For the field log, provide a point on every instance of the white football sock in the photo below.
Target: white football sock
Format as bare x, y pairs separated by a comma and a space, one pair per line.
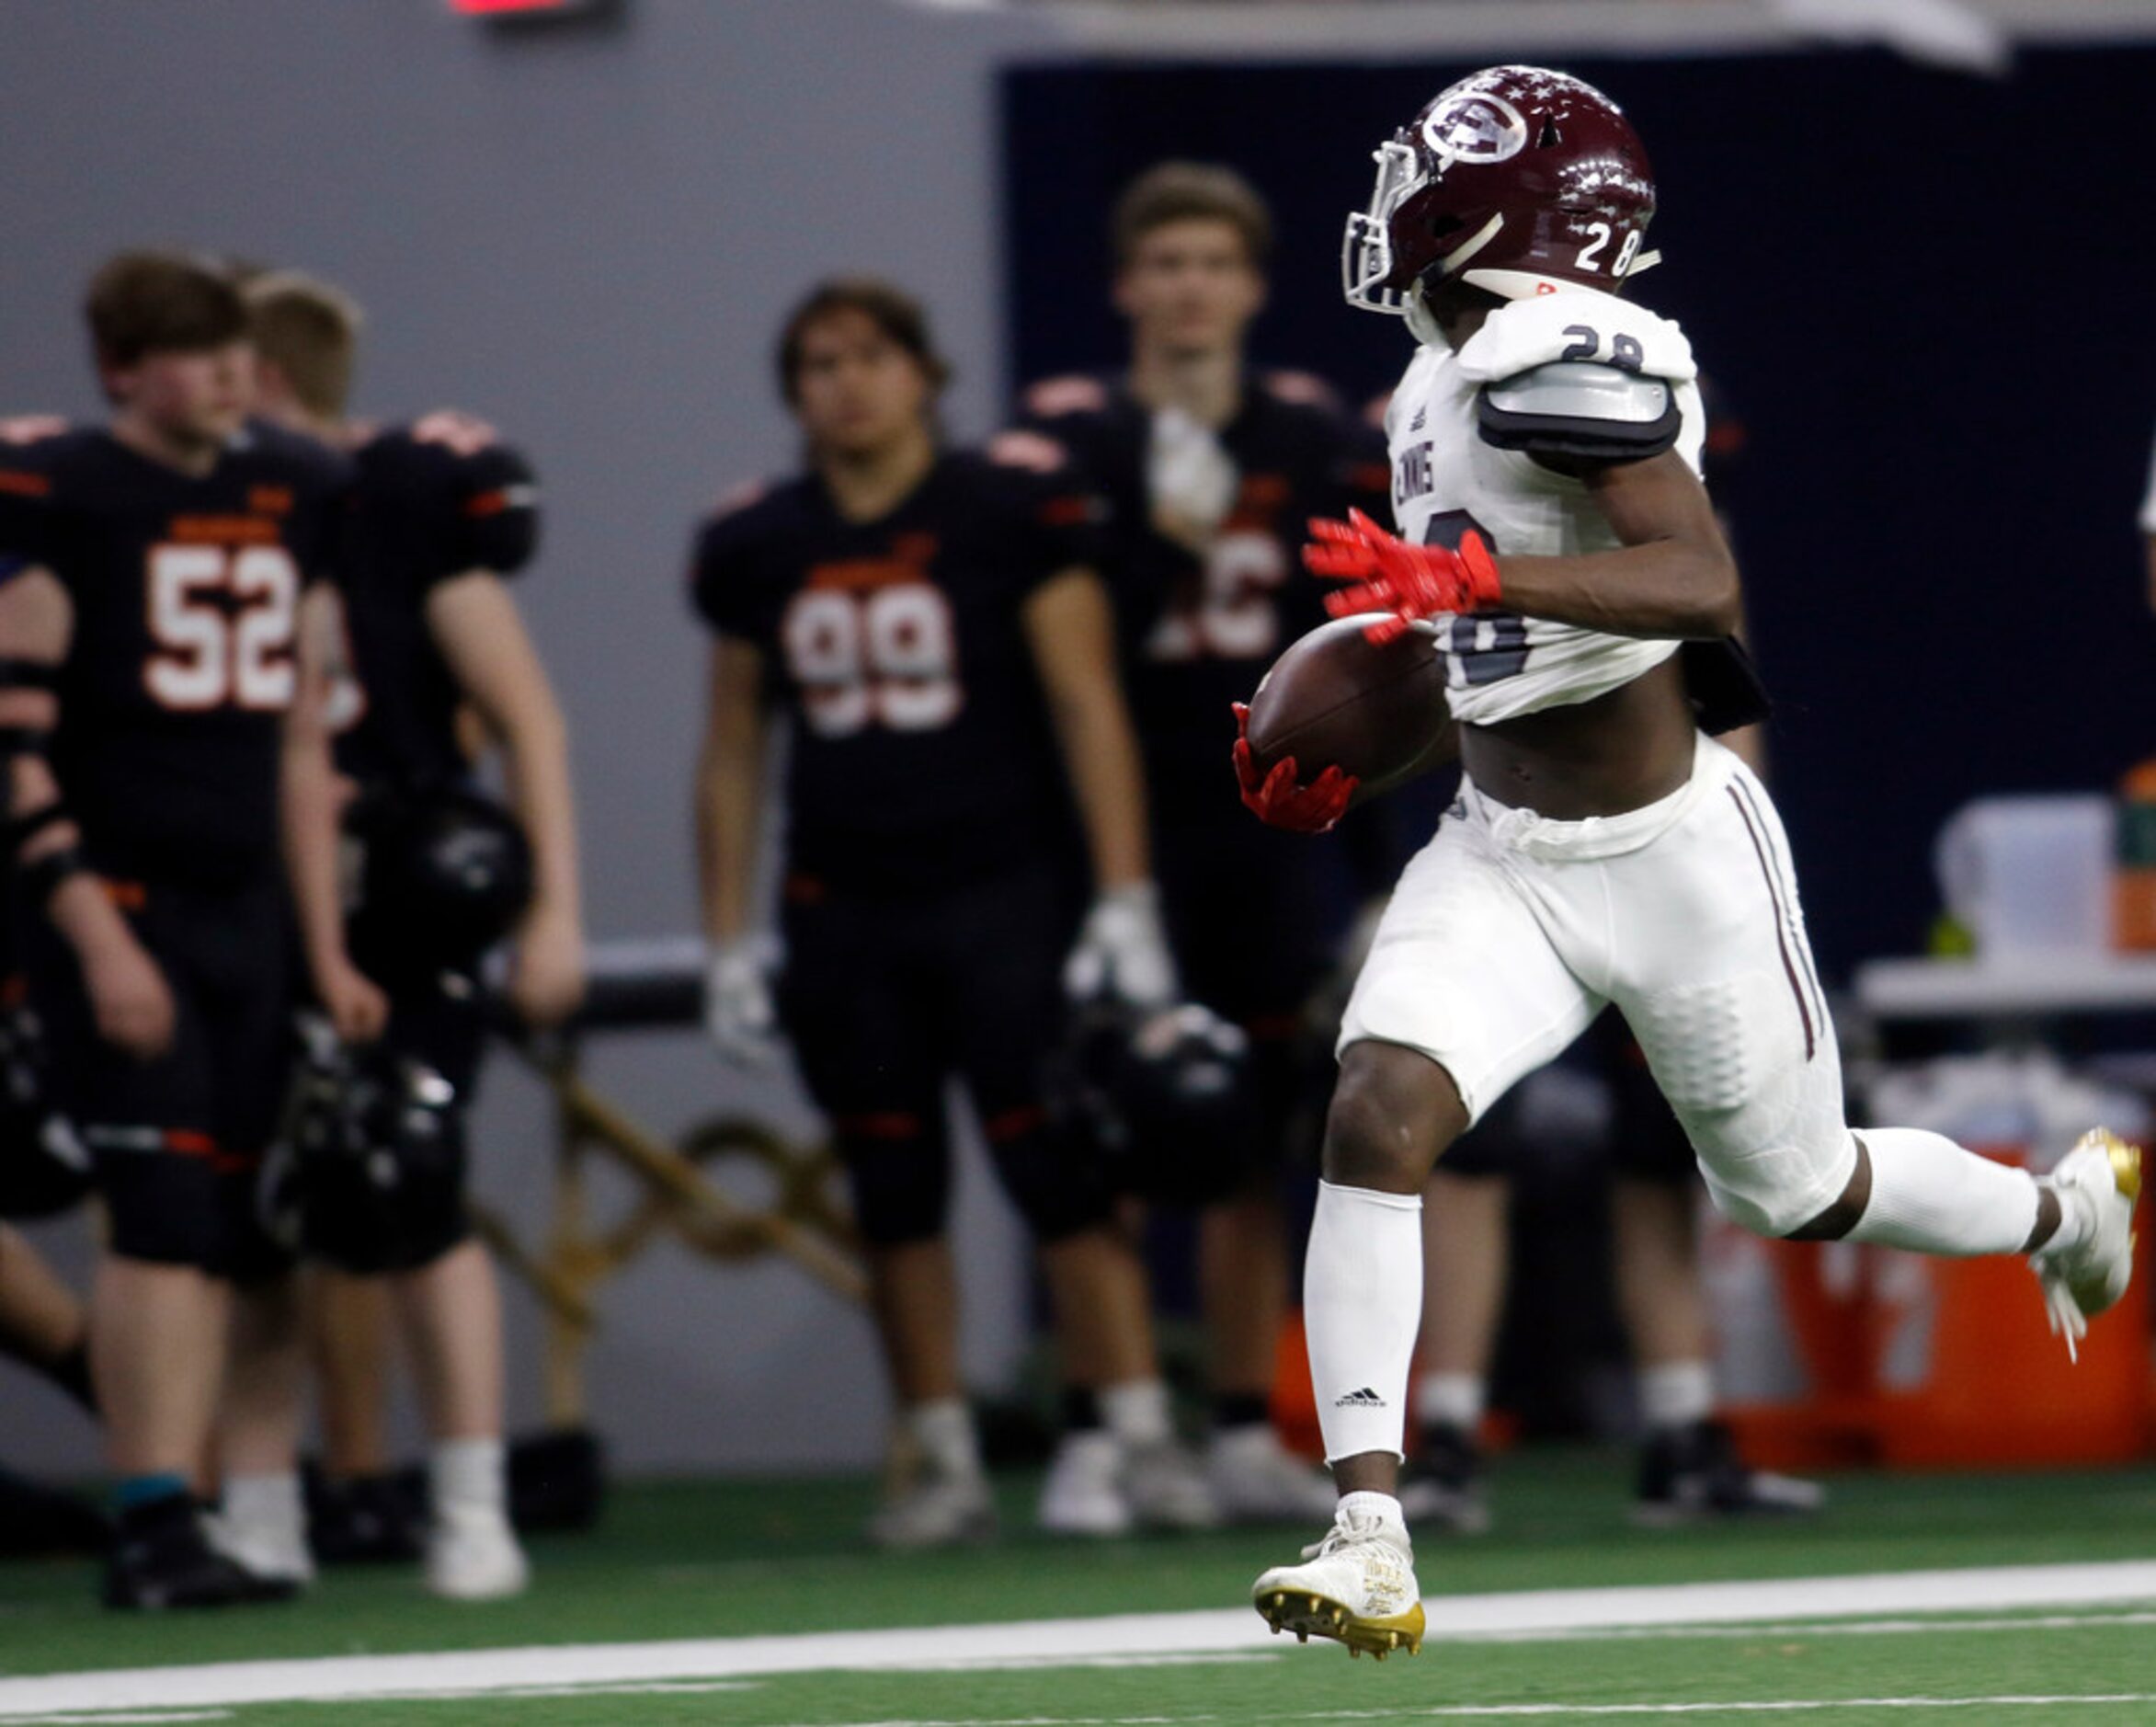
1930, 1196
1676, 1393
467, 1474
1361, 1303
1451, 1400
263, 1525
944, 1428
1383, 1508
1135, 1411
265, 1506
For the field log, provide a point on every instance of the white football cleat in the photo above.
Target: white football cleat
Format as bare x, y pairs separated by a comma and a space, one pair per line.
473, 1555
2098, 1183
1357, 1586
936, 1511
1255, 1478
1165, 1489
1083, 1493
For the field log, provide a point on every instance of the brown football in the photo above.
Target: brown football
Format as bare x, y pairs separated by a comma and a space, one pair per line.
1335, 699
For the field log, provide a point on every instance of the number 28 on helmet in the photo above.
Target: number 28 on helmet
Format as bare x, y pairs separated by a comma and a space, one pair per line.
1517, 180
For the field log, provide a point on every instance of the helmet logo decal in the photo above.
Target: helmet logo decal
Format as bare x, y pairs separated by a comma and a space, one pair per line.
1476, 128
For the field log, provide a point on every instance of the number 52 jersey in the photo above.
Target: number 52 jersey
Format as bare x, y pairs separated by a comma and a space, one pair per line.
921, 750
185, 593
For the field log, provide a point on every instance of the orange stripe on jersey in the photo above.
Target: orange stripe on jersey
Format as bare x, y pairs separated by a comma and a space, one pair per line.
487, 504
25, 485
1008, 1124
863, 572
271, 500
222, 531
885, 1124
188, 1143
1066, 512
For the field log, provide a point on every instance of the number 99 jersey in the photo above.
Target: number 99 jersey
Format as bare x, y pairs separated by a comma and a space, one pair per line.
1580, 374
184, 592
921, 747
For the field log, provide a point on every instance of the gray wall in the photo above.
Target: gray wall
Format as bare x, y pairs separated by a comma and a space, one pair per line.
588, 238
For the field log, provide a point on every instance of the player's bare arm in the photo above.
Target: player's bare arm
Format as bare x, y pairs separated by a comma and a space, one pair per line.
739, 1012
128, 993
311, 800
1071, 632
1121, 950
730, 788
1672, 577
476, 626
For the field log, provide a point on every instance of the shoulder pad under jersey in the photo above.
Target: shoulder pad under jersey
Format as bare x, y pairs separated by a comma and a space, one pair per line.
1525, 334
1053, 398
476, 495
1303, 389
1580, 409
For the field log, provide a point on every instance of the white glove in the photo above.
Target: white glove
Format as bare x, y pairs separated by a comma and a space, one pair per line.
738, 1010
1123, 951
1190, 476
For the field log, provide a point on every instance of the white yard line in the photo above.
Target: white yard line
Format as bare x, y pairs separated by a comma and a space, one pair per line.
1817, 1628
1554, 1712
160, 1718
473, 1672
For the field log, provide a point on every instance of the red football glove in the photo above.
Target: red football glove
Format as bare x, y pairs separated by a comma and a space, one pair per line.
1412, 582
1275, 798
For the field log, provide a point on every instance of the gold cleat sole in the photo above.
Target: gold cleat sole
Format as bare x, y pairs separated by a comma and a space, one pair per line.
2126, 1177
2126, 1165
2125, 1171
1309, 1615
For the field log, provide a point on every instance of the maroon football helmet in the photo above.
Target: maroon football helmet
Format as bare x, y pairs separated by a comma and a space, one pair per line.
1517, 180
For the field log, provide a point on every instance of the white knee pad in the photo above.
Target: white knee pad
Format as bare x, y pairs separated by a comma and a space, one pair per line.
1773, 1209
1779, 1189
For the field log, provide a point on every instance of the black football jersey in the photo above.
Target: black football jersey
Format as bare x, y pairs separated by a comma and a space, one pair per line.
1198, 633
431, 501
185, 593
921, 747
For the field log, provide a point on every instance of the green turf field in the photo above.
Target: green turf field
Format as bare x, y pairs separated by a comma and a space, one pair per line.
760, 1561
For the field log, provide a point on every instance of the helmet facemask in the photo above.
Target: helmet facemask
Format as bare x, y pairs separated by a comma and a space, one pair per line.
1366, 261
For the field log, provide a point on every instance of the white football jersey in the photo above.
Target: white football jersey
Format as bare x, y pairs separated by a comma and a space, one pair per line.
1446, 479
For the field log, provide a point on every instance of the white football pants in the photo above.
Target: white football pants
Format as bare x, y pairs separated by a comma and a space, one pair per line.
1507, 935
1509, 932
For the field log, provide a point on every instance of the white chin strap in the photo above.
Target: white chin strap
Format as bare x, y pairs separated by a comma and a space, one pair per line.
1422, 321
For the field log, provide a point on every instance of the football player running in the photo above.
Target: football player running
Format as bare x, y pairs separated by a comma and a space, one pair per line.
1690, 1466
927, 622
167, 772
1211, 466
1560, 554
428, 637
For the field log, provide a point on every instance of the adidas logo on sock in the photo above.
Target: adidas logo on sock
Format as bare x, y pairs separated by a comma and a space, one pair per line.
1365, 1398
